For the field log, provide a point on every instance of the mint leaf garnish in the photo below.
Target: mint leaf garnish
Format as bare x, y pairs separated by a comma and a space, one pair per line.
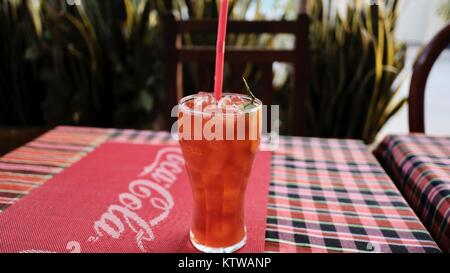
251, 104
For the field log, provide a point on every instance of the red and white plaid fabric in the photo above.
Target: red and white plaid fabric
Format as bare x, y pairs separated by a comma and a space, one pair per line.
325, 195
420, 165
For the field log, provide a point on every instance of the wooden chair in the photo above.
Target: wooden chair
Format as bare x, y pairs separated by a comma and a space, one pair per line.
176, 54
421, 71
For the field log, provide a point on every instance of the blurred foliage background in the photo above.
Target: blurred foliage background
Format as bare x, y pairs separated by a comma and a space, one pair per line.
356, 63
95, 64
21, 86
100, 63
106, 63
444, 10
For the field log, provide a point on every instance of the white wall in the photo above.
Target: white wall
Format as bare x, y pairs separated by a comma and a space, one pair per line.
437, 99
418, 19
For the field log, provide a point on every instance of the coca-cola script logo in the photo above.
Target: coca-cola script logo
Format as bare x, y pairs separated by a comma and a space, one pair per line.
151, 187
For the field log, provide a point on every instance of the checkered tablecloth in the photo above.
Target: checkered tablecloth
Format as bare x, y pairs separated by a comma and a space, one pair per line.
325, 195
420, 165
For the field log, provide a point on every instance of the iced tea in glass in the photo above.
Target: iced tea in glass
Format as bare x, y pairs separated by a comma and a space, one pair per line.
219, 141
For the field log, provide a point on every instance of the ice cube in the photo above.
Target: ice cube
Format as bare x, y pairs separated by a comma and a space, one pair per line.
231, 101
203, 99
230, 109
236, 100
211, 108
224, 102
232, 104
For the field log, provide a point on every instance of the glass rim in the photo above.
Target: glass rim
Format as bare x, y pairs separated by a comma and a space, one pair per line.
186, 99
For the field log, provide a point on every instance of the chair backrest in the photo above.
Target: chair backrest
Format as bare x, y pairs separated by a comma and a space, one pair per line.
177, 54
419, 79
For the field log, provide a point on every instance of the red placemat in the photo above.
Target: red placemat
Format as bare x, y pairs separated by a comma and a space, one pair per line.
121, 198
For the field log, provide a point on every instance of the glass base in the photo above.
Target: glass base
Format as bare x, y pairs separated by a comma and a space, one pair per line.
206, 249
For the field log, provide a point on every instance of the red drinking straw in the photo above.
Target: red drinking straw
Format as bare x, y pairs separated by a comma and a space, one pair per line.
220, 53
